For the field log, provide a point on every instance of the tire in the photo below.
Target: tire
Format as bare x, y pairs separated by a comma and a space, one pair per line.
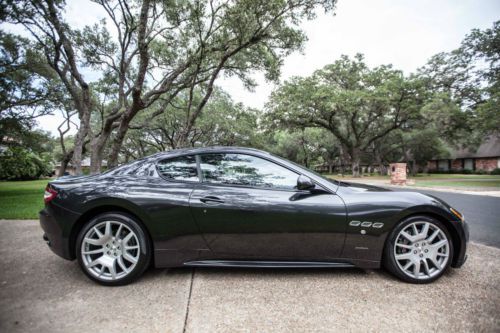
112, 249
422, 255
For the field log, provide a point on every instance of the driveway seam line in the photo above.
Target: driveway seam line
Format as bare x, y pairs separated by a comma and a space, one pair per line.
188, 301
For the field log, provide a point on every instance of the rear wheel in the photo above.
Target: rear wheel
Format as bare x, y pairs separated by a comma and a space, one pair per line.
112, 249
419, 250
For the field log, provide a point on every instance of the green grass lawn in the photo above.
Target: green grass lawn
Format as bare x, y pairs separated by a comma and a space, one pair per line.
21, 199
439, 180
458, 182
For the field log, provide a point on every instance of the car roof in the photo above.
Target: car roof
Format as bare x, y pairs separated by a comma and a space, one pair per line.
211, 149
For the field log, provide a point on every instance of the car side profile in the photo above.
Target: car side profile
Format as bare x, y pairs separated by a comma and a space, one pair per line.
242, 207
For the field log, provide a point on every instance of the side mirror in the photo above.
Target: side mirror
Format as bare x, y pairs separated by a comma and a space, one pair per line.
305, 183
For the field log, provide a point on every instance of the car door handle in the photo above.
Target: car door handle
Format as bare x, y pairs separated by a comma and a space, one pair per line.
211, 200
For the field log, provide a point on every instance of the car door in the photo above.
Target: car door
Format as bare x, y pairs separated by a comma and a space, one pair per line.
248, 207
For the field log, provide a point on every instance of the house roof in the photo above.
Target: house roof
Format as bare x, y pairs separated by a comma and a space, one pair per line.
489, 148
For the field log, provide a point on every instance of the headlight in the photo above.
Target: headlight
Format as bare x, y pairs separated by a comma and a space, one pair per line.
457, 214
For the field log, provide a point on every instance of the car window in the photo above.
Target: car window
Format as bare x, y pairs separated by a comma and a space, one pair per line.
240, 169
179, 168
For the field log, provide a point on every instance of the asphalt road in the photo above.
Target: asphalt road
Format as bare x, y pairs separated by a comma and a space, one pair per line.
40, 292
482, 213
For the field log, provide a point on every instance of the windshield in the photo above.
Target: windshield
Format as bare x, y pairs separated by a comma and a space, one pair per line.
331, 180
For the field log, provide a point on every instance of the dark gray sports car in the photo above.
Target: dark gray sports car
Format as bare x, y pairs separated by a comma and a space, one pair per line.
227, 206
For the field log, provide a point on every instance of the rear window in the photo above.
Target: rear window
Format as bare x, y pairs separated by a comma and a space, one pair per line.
179, 168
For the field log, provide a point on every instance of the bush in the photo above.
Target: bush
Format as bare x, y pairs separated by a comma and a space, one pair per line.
17, 163
495, 171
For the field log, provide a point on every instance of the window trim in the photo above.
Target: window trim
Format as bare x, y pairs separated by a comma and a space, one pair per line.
248, 186
179, 180
200, 174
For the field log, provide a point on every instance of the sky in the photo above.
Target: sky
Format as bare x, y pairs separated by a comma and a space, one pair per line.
405, 33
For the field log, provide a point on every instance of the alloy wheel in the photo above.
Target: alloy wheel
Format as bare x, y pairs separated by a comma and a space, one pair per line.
110, 250
422, 250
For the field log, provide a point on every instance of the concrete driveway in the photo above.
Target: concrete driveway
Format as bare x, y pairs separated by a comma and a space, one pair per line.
40, 292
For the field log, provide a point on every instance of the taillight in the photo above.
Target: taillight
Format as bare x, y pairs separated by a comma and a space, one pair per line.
49, 194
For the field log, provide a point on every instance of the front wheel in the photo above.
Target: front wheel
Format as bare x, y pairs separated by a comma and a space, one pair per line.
112, 249
419, 250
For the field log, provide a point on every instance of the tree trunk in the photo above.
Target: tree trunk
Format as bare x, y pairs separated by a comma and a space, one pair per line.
83, 131
380, 163
355, 161
64, 164
117, 144
413, 168
96, 157
98, 144
182, 141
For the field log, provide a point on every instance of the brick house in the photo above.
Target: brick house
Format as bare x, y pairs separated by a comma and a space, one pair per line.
485, 158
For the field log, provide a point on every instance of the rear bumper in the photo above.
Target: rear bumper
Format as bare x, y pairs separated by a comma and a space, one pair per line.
55, 235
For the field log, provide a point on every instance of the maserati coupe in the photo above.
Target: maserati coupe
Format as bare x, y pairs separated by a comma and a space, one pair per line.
242, 207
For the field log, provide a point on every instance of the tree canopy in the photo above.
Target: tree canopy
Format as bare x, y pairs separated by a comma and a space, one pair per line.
144, 79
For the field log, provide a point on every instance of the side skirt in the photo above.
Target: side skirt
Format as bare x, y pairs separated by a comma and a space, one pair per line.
267, 264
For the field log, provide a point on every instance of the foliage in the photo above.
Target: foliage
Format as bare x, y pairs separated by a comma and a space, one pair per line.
26, 80
155, 51
17, 163
308, 146
224, 123
470, 76
358, 105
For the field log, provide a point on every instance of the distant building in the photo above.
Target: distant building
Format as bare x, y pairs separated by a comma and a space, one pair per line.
485, 158
70, 169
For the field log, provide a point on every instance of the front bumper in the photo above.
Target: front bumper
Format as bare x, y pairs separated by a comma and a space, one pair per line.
463, 234
55, 235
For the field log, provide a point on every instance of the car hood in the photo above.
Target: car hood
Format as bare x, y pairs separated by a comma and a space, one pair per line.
352, 192
357, 187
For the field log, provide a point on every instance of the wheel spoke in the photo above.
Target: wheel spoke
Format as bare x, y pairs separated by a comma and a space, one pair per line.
407, 236
434, 235
117, 235
435, 263
425, 230
112, 269
93, 263
440, 243
416, 269
107, 231
122, 264
404, 256
404, 246
415, 231
128, 237
129, 258
408, 265
98, 233
97, 242
101, 250
426, 267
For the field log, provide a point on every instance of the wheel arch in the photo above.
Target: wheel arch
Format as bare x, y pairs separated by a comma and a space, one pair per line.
97, 209
455, 238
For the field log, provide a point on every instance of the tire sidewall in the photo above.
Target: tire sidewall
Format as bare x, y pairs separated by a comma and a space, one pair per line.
144, 245
390, 262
